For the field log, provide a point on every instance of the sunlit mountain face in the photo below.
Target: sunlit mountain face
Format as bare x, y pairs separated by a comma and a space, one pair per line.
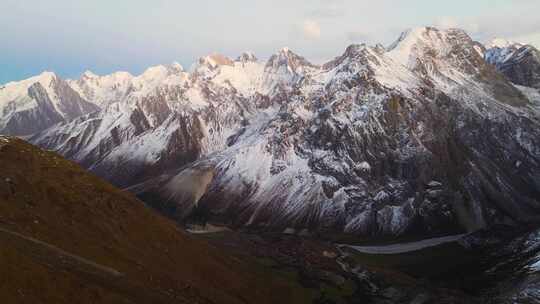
431, 135
406, 171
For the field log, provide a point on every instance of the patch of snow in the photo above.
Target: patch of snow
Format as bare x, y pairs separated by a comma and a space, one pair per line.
479, 50
14, 95
246, 77
501, 43
532, 94
381, 196
364, 166
435, 184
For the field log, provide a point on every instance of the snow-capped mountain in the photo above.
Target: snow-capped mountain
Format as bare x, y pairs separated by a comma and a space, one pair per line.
39, 102
423, 136
121, 86
520, 63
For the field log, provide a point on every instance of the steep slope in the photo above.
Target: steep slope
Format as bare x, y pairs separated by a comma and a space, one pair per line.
423, 137
39, 102
376, 143
499, 50
517, 271
119, 86
449, 60
170, 119
69, 237
519, 63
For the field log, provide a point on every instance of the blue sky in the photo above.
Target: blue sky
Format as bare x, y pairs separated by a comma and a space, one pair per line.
71, 36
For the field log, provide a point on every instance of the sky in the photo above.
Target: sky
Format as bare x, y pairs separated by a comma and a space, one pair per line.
71, 36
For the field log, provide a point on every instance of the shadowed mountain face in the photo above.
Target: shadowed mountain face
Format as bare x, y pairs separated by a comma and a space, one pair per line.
69, 237
519, 63
428, 136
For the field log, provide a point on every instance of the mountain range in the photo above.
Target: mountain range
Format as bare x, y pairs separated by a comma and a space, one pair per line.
434, 134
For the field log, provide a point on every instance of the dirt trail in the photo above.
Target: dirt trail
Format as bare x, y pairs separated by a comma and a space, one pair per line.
109, 278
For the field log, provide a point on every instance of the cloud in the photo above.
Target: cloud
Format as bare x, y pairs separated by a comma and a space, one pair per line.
311, 29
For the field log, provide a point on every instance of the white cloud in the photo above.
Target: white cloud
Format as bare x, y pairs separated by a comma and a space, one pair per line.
311, 29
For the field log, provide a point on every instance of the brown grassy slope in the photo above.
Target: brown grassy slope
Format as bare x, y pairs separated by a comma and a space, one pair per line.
53, 200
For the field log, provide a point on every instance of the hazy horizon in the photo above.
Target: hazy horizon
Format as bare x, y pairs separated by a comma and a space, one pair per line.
70, 38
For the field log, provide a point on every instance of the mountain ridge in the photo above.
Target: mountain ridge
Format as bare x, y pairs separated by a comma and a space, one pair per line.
376, 141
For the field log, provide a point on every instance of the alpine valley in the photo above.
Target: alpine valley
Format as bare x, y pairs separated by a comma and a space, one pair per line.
434, 135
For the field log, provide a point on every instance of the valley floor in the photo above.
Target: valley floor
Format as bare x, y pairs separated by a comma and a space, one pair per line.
438, 270
328, 273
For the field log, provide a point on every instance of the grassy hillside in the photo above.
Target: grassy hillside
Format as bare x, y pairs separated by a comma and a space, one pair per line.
69, 237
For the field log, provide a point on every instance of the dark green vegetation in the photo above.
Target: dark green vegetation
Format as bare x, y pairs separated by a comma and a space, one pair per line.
309, 266
325, 273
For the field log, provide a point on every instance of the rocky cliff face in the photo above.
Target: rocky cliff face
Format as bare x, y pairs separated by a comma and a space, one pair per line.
422, 137
39, 102
166, 119
519, 63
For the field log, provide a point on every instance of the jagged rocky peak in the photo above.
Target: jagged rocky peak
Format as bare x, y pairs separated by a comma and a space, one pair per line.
450, 59
353, 52
36, 103
89, 75
287, 58
502, 43
519, 63
214, 60
499, 50
209, 65
163, 70
422, 42
102, 89
380, 48
89, 78
176, 67
247, 57
353, 49
18, 90
117, 76
47, 76
412, 36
